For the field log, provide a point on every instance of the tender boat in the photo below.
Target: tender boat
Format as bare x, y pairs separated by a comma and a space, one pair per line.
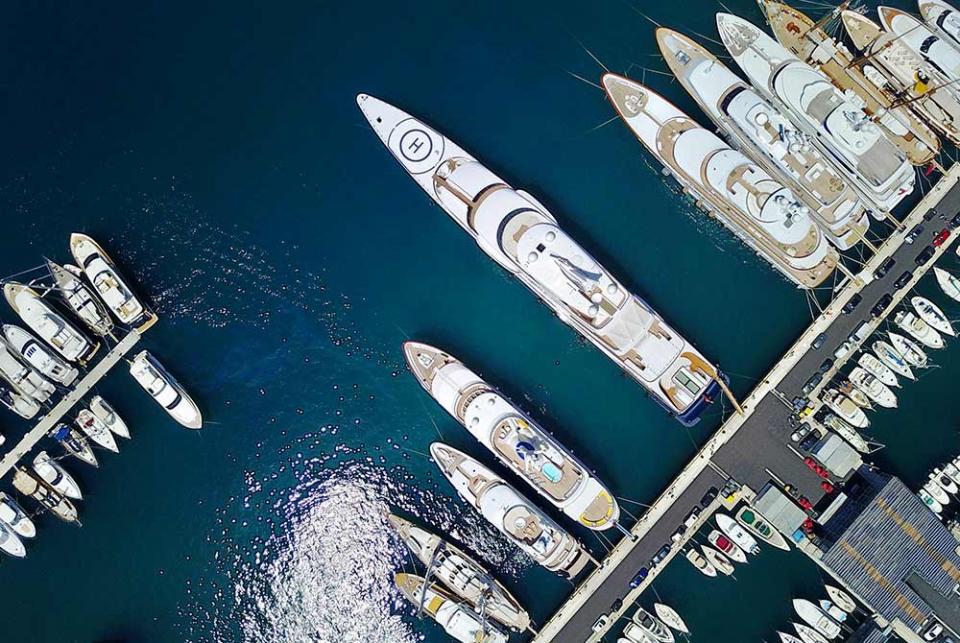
30, 484
762, 212
718, 560
463, 575
15, 517
873, 387
942, 18
652, 626
756, 525
79, 299
702, 565
918, 329
52, 327
858, 397
21, 404
922, 40
932, 503
737, 534
788, 638
727, 546
949, 284
94, 429
832, 610
522, 236
36, 355
845, 408
457, 619
768, 137
109, 417
112, 288
944, 481
670, 616
841, 598
10, 543
912, 353
513, 437
56, 476
931, 313
847, 432
937, 492
165, 390
893, 359
23, 377
815, 617
808, 634
521, 521
75, 444
835, 122
872, 364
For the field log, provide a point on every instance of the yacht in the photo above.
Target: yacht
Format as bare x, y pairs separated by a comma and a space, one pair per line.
788, 638
846, 432
165, 390
513, 437
808, 634
749, 202
832, 610
522, 236
949, 284
872, 364
768, 137
33, 352
15, 517
463, 575
931, 313
814, 46
952, 472
857, 396
892, 359
932, 503
847, 409
23, 377
74, 443
718, 560
918, 329
944, 481
942, 18
635, 634
96, 430
113, 290
737, 534
18, 402
79, 299
514, 516
671, 618
652, 626
909, 349
30, 484
755, 524
702, 565
10, 543
841, 598
835, 122
109, 417
457, 619
873, 388
940, 53
937, 492
56, 476
815, 617
727, 546
890, 62
52, 328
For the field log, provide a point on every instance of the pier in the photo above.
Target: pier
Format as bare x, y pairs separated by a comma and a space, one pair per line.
754, 448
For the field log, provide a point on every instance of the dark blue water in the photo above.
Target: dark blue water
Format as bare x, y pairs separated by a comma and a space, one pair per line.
217, 152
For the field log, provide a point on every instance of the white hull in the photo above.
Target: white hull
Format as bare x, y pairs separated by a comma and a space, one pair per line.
912, 353
737, 534
931, 313
10, 543
700, 563
48, 324
718, 560
79, 299
727, 546
873, 365
931, 503
23, 377
816, 619
670, 616
457, 619
56, 476
941, 17
918, 329
892, 359
152, 377
949, 284
846, 409
94, 429
842, 599
109, 417
34, 353
873, 388
15, 517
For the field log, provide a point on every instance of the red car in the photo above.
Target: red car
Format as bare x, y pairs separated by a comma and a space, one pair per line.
826, 486
806, 504
942, 236
811, 463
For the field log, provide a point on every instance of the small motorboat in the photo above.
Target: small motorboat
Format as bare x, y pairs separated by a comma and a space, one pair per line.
635, 634
50, 325
13, 515
30, 484
893, 359
79, 299
56, 476
816, 618
720, 562
113, 290
788, 638
737, 534
931, 313
832, 610
36, 355
841, 598
878, 369
165, 390
857, 396
94, 429
918, 329
10, 543
652, 626
951, 470
938, 492
808, 634
845, 408
105, 413
873, 387
727, 546
23, 377
909, 349
755, 524
23, 405
74, 443
670, 616
949, 284
944, 481
932, 503
847, 432
702, 564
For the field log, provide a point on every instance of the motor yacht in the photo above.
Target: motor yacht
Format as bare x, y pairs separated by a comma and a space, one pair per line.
718, 560
78, 298
15, 517
700, 563
873, 387
34, 353
847, 432
944, 481
727, 546
10, 543
56, 476
872, 364
808, 634
30, 484
931, 313
671, 618
858, 397
50, 325
759, 527
949, 284
650, 624
940, 53
816, 618
109, 417
932, 503
22, 376
17, 401
166, 391
937, 492
457, 619
892, 358
848, 411
918, 329
942, 18
737, 534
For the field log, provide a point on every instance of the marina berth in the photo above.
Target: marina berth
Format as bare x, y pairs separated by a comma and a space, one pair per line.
942, 18
814, 46
742, 195
513, 437
56, 476
456, 618
517, 232
940, 53
74, 443
17, 401
768, 137
891, 62
15, 517
23, 377
33, 352
521, 521
78, 298
30, 484
52, 328
166, 391
834, 121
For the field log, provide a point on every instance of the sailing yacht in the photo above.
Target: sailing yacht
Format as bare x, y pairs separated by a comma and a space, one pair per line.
30, 484
513, 437
940, 53
671, 618
36, 355
79, 299
49, 324
909, 349
74, 443
834, 121
520, 234
942, 18
892, 359
949, 284
104, 412
456, 618
96, 430
931, 313
768, 137
514, 516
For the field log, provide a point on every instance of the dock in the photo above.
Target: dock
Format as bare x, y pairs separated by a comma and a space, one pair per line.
754, 448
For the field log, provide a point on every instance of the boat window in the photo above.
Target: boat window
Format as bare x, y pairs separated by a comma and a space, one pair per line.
687, 382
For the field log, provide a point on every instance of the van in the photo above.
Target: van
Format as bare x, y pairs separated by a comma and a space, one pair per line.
861, 333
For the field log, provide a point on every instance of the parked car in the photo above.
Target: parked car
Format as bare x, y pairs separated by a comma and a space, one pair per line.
661, 555
818, 341
954, 222
913, 234
601, 623
881, 306
852, 304
885, 266
642, 574
861, 332
925, 255
903, 280
941, 237
826, 365
811, 384
616, 605
930, 214
709, 497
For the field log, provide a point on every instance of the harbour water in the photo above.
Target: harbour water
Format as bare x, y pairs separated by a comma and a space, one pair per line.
217, 152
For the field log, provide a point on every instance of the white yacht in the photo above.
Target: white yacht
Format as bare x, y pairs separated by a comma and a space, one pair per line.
949, 284
79, 299
931, 503
30, 484
841, 599
873, 387
808, 634
513, 437
52, 328
716, 558
937, 492
727, 546
74, 443
848, 410
757, 525
918, 329
891, 62
834, 121
165, 390
909, 349
872, 364
847, 432
940, 53
457, 619
15, 517
23, 377
931, 313
56, 476
944, 481
94, 429
892, 359
762, 212
513, 515
700, 563
109, 417
33, 352
788, 638
671, 618
943, 18
10, 543
766, 135
814, 46
816, 618
17, 401
521, 235
858, 397
737, 534
652, 626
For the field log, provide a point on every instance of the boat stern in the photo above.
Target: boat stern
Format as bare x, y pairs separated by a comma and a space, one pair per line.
601, 511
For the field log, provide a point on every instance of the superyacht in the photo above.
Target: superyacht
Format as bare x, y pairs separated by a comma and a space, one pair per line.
79, 299
943, 18
31, 351
456, 618
940, 53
